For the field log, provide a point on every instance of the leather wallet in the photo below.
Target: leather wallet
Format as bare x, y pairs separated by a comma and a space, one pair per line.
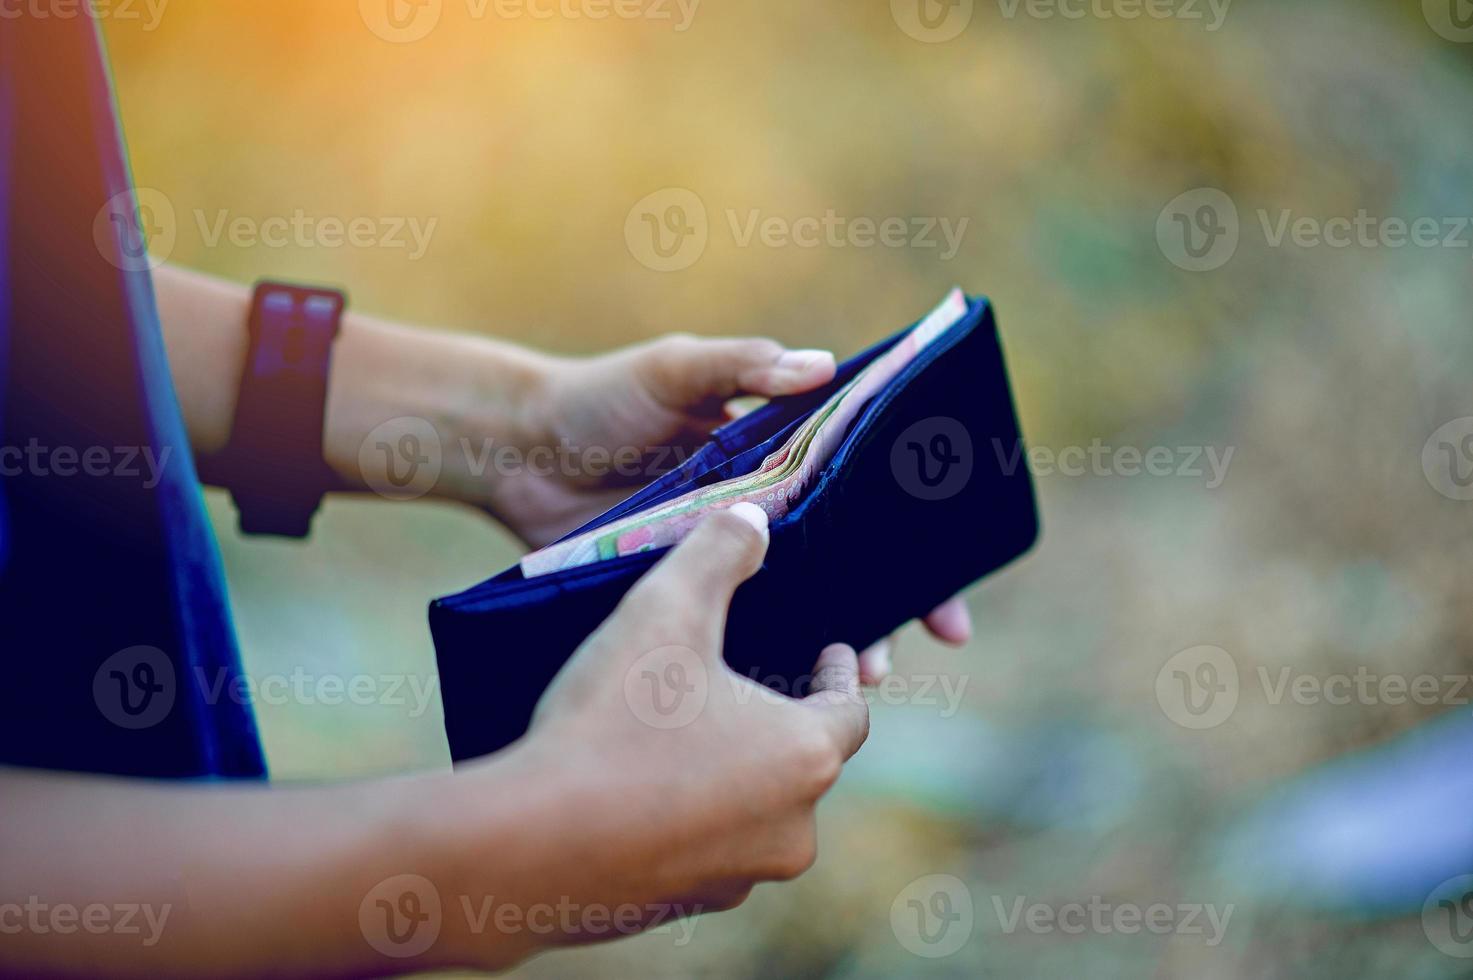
928, 492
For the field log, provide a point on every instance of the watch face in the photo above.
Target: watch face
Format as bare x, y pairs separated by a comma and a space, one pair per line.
293, 329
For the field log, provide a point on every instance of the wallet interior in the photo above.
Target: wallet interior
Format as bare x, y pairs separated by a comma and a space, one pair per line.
736, 450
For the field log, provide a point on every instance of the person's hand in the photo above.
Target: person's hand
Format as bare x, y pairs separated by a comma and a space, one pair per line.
592, 429
950, 622
682, 784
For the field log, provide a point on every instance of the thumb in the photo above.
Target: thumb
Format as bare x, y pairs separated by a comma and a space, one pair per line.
835, 696
681, 372
698, 579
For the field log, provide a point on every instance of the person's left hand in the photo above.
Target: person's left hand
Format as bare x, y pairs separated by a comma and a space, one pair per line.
598, 427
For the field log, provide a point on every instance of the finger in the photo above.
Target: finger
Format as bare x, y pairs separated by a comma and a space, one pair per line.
951, 622
875, 664
682, 372
702, 574
835, 694
794, 372
743, 405
720, 897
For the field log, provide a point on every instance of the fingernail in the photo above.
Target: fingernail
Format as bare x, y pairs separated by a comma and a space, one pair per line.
753, 515
883, 665
803, 361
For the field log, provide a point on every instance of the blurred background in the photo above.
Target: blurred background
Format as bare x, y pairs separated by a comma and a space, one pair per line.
1064, 757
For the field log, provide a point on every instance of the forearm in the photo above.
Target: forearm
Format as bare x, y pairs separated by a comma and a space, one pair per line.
380, 371
235, 880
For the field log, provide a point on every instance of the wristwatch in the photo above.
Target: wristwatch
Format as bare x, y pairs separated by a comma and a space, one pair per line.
274, 462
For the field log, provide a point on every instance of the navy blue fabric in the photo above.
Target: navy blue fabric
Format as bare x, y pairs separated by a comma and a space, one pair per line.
118, 650
7, 140
868, 550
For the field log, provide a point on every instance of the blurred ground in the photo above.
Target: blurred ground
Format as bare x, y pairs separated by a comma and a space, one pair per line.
1061, 778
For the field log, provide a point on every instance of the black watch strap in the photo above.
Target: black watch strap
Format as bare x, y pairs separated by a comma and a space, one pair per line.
274, 463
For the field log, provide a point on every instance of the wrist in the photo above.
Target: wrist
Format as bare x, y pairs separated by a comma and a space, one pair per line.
493, 835
462, 396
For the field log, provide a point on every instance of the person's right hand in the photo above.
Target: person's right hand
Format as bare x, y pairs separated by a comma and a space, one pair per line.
674, 779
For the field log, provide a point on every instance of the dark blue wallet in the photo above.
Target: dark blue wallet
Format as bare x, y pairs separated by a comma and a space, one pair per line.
929, 492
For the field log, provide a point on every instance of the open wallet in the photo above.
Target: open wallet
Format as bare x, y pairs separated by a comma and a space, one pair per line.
925, 491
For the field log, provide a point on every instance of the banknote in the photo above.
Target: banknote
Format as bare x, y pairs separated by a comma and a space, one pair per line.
777, 485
